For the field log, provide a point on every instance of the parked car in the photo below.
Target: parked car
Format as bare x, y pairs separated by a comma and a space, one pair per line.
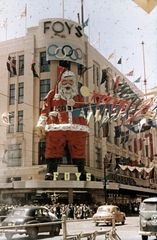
31, 215
105, 213
148, 218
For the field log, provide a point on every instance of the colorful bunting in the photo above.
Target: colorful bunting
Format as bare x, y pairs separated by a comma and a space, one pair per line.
110, 56
119, 61
116, 81
33, 70
107, 161
3, 24
85, 24
23, 14
96, 41
11, 65
137, 80
104, 76
130, 73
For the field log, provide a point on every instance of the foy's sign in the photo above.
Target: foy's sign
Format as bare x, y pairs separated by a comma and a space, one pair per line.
67, 176
63, 27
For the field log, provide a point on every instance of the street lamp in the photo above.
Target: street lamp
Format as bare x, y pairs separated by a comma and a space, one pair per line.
105, 189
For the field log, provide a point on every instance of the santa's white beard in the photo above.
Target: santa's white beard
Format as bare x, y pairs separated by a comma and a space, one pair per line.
67, 94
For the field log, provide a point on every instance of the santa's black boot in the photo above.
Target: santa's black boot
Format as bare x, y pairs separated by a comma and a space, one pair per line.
51, 168
80, 164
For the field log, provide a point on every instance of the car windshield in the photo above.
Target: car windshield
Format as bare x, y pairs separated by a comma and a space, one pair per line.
103, 209
148, 207
18, 213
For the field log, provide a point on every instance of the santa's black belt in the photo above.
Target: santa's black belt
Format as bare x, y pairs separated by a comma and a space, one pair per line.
63, 108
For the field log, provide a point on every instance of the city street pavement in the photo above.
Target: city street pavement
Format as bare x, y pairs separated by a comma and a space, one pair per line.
128, 231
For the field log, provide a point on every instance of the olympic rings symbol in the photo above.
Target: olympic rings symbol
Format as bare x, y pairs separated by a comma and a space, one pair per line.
65, 51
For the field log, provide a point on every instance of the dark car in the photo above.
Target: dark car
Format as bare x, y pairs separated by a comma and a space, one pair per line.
148, 218
31, 215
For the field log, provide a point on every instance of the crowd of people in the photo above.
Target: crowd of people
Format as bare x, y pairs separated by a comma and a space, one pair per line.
74, 211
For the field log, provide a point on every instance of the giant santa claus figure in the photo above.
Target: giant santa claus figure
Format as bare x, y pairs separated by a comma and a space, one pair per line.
62, 120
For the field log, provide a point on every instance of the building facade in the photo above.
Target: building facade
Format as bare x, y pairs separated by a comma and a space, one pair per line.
61, 42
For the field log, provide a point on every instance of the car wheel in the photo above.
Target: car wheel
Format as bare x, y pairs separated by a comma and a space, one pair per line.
123, 222
51, 234
33, 232
144, 237
8, 235
57, 231
96, 224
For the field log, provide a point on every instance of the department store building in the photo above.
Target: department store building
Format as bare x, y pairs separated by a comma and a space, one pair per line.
52, 43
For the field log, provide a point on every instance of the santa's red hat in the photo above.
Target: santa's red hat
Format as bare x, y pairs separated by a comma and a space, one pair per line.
62, 73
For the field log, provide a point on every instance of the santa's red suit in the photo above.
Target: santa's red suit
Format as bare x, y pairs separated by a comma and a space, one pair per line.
64, 123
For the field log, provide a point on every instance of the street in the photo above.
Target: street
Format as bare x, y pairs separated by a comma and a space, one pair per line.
128, 231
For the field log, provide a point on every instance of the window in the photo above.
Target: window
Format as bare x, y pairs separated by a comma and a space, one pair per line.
21, 93
20, 121
97, 76
98, 158
94, 74
42, 146
97, 129
21, 65
44, 88
14, 155
44, 65
65, 64
11, 120
13, 67
80, 68
9, 180
12, 94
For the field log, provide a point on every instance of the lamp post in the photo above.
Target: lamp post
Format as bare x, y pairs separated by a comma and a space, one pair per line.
105, 189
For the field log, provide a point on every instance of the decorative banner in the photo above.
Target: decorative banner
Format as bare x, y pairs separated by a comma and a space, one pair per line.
139, 169
131, 168
64, 52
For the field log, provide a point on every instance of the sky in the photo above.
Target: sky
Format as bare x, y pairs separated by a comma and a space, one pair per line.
120, 25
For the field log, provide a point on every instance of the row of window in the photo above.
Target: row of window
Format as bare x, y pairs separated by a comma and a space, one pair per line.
44, 89
11, 128
14, 155
45, 67
20, 93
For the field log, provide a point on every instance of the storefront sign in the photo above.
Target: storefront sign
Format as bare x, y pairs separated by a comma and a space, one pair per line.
63, 27
67, 176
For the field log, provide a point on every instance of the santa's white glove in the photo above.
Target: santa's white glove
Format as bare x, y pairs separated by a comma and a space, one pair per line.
40, 127
40, 131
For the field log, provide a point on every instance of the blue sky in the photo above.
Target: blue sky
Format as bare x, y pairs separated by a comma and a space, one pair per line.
121, 25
